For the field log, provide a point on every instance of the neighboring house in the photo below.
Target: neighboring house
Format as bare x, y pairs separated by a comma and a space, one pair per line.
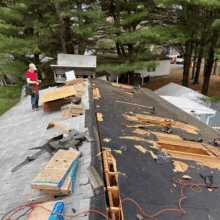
190, 101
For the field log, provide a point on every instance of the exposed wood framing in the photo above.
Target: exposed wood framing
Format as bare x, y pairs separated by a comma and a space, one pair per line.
111, 179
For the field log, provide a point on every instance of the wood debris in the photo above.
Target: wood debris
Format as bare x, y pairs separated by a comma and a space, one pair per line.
141, 132
174, 124
99, 116
153, 155
180, 166
123, 86
140, 148
72, 111
160, 136
146, 112
118, 151
80, 89
107, 140
139, 126
129, 93
96, 94
155, 145
187, 177
210, 189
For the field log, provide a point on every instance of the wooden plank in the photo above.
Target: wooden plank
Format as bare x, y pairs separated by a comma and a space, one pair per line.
77, 80
164, 135
37, 196
140, 148
123, 86
207, 160
59, 94
42, 214
55, 171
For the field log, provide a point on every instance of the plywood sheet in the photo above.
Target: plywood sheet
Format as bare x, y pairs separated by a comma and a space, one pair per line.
42, 214
160, 136
56, 170
59, 94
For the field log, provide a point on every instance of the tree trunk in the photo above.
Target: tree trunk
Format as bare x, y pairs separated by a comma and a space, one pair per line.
62, 24
209, 64
201, 51
194, 61
118, 49
68, 37
215, 67
187, 60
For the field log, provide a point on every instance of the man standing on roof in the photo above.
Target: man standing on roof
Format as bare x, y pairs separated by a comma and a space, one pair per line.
33, 83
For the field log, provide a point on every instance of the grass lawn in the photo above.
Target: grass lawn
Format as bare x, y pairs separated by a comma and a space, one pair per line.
9, 96
6, 104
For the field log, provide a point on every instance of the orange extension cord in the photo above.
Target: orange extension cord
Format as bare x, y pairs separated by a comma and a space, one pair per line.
181, 210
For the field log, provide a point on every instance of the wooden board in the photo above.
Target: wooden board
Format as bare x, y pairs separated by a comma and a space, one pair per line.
160, 136
37, 196
42, 214
213, 162
175, 124
123, 86
59, 94
56, 170
77, 80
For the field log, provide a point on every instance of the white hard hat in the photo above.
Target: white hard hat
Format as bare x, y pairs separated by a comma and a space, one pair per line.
33, 66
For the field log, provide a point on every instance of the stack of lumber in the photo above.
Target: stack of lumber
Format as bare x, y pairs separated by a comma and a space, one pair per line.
58, 177
80, 89
54, 100
74, 81
72, 111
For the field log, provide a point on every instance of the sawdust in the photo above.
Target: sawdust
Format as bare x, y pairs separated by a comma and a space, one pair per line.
180, 166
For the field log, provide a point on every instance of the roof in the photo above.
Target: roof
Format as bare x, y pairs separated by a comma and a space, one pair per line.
22, 129
187, 105
140, 177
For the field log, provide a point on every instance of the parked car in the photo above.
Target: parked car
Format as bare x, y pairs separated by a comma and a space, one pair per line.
179, 59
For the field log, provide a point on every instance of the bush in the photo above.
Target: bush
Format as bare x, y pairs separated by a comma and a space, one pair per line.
10, 92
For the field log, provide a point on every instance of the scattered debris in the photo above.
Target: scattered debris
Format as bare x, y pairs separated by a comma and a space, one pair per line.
139, 217
139, 126
180, 166
140, 148
146, 112
96, 94
99, 116
174, 184
153, 155
98, 154
169, 136
210, 189
129, 93
97, 106
118, 151
195, 140
107, 139
208, 179
123, 86
73, 110
141, 132
187, 177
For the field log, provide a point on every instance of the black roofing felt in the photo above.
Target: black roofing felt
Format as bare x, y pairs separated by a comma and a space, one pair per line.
148, 183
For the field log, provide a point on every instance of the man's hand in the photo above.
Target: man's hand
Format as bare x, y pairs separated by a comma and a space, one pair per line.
39, 81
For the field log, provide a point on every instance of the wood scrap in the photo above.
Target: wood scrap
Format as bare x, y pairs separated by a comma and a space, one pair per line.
80, 89
140, 148
76, 110
130, 118
58, 94
141, 132
107, 140
139, 126
96, 93
180, 166
65, 115
129, 93
187, 177
160, 135
123, 86
37, 196
118, 151
99, 116
154, 143
174, 124
153, 155
212, 162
